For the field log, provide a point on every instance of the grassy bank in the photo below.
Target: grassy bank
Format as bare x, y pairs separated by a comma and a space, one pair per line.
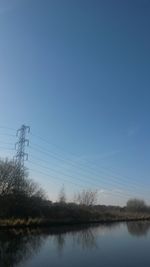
103, 218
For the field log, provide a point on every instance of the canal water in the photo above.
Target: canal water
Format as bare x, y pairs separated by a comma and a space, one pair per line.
107, 245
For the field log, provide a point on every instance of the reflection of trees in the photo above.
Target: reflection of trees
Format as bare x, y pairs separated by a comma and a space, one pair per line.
84, 236
138, 228
60, 242
17, 246
86, 239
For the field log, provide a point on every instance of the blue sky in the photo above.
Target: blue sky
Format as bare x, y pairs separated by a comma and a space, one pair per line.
77, 72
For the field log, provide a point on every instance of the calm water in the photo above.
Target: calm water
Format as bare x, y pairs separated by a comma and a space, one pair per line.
119, 245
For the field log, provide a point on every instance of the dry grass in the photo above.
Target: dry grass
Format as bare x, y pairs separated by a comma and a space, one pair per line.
20, 222
102, 217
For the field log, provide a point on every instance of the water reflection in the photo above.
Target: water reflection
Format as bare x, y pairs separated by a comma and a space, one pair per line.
17, 245
59, 241
140, 228
86, 239
84, 236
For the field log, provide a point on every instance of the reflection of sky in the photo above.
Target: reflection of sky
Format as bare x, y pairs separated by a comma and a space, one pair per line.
78, 75
108, 245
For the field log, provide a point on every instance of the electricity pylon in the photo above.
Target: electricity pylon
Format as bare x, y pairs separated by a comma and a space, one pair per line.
21, 156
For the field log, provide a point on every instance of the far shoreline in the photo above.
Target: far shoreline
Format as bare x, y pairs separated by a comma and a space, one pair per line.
39, 223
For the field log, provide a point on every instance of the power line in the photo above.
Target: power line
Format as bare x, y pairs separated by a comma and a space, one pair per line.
6, 134
6, 148
59, 172
103, 169
69, 162
7, 128
7, 143
85, 181
58, 157
56, 178
107, 191
111, 177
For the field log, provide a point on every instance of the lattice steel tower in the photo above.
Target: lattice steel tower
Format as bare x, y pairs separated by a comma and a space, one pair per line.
21, 156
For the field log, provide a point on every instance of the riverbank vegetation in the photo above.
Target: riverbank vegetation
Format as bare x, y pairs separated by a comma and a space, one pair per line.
24, 203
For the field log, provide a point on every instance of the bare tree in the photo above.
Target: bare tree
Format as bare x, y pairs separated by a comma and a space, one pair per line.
14, 180
86, 197
33, 189
19, 195
62, 195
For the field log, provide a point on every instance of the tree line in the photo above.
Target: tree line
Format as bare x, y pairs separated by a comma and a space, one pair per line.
21, 197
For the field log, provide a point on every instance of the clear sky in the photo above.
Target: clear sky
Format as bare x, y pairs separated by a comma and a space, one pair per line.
78, 72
